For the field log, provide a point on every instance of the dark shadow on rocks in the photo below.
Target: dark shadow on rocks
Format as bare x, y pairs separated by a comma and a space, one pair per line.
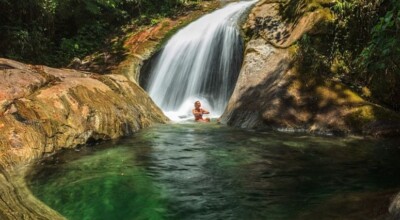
288, 99
147, 68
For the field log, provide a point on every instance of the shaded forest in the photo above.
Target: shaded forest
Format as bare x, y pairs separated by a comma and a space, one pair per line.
360, 47
53, 32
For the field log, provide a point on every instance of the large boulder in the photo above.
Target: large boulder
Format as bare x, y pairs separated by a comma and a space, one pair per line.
43, 110
275, 91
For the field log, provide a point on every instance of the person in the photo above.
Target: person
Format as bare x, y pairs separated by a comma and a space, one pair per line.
198, 113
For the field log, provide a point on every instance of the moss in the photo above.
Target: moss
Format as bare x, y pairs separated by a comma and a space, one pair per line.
365, 92
339, 65
293, 50
325, 23
111, 84
368, 113
356, 112
385, 114
292, 10
25, 111
352, 96
358, 118
313, 6
171, 32
295, 86
327, 14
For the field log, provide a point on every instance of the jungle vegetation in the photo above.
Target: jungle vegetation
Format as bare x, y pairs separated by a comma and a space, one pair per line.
361, 47
52, 32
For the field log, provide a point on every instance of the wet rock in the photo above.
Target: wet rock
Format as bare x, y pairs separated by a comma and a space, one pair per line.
45, 109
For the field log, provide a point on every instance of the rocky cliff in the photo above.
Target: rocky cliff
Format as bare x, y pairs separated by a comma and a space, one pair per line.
276, 90
43, 110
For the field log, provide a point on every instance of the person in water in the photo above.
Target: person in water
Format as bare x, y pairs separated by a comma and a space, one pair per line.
198, 113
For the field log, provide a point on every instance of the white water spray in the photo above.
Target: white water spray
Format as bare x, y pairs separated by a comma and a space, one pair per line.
200, 62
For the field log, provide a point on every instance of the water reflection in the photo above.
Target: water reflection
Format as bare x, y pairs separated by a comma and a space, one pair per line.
207, 171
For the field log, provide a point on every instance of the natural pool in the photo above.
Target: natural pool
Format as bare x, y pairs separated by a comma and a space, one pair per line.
209, 171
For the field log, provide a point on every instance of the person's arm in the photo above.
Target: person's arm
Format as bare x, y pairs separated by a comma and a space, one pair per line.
195, 113
205, 111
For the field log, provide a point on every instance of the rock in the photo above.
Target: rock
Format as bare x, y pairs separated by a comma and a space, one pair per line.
273, 91
75, 63
267, 22
394, 208
45, 109
262, 67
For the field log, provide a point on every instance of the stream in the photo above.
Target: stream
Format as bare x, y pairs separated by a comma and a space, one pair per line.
209, 171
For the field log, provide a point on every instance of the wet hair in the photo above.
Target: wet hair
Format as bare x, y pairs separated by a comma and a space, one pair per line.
197, 102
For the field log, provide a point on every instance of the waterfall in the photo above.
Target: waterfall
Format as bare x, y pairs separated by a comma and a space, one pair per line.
200, 62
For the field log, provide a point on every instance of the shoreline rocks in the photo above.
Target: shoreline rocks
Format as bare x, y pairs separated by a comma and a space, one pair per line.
45, 109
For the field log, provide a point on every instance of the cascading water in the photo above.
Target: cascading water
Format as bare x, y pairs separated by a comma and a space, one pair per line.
200, 62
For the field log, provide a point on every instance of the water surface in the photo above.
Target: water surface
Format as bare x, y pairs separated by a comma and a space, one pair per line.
208, 171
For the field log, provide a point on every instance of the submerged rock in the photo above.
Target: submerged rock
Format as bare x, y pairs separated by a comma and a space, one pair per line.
274, 91
43, 110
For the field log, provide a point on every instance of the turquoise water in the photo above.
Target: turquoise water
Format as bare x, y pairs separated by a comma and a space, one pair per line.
208, 171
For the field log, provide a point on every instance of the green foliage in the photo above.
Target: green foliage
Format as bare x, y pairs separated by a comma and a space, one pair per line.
362, 48
379, 61
292, 10
355, 18
52, 32
366, 31
84, 42
343, 7
383, 51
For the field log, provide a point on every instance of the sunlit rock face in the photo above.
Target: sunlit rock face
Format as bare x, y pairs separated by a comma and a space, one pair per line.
394, 208
274, 91
43, 110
